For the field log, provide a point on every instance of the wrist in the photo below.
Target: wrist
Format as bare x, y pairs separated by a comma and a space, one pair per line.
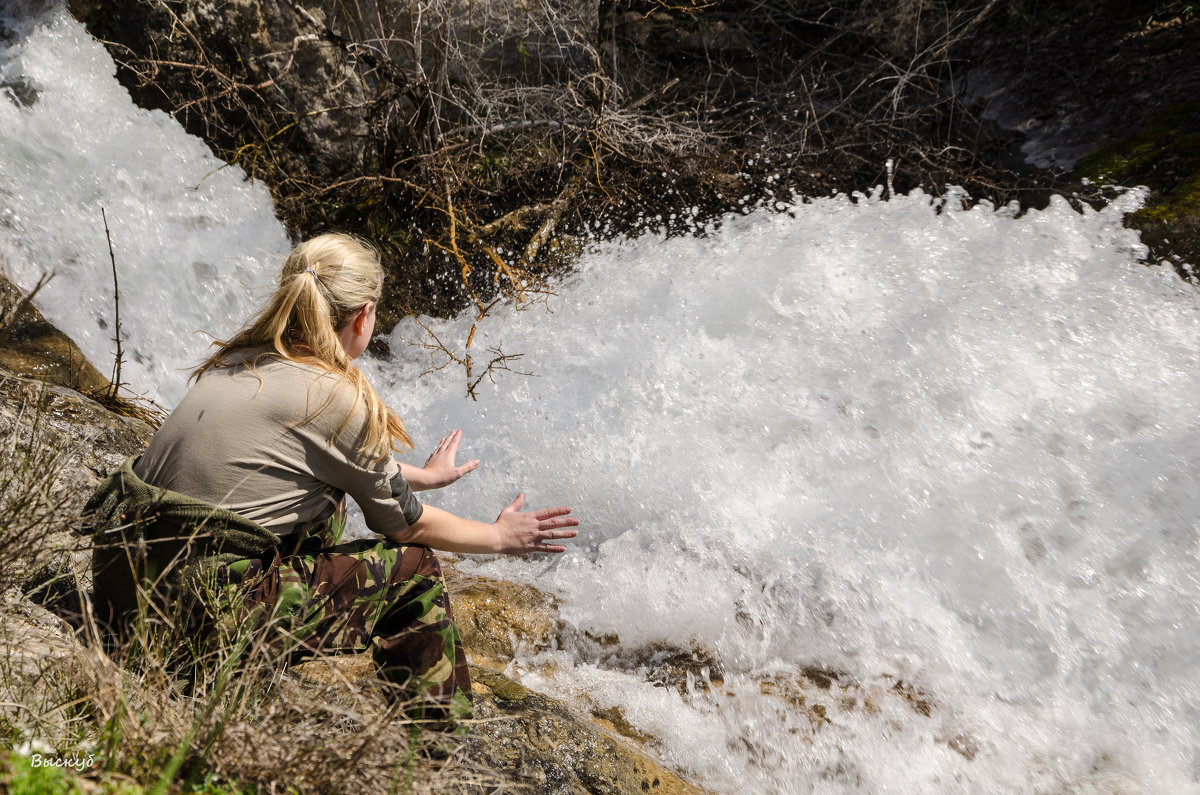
418, 478
498, 534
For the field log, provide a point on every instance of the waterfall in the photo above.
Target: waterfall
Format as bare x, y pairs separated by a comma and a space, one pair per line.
943, 456
882, 496
193, 239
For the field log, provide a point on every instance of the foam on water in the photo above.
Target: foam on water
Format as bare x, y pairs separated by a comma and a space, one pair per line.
189, 232
951, 449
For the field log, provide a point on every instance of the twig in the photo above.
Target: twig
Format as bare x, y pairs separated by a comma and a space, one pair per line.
557, 208
508, 126
499, 362
116, 379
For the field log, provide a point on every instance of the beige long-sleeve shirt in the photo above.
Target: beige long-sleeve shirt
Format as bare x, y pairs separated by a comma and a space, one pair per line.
257, 440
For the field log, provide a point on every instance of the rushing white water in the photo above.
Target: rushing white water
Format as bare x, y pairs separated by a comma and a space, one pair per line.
190, 234
953, 449
943, 455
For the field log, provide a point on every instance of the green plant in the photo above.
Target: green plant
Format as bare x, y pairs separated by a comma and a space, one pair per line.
21, 777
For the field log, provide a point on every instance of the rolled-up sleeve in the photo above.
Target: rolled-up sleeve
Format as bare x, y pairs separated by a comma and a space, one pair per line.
387, 502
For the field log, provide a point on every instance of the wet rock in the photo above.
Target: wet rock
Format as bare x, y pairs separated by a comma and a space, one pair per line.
1082, 79
1103, 96
539, 744
36, 349
1165, 157
498, 619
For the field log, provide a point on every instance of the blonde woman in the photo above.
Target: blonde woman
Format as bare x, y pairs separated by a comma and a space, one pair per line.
278, 427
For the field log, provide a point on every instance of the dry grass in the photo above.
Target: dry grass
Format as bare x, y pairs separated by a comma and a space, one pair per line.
31, 510
236, 720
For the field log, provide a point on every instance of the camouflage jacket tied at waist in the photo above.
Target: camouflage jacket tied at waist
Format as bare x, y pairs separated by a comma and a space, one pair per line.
158, 538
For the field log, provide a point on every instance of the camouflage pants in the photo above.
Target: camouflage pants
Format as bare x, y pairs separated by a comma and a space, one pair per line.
331, 597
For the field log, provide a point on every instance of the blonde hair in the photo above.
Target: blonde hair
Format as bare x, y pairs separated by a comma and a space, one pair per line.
325, 281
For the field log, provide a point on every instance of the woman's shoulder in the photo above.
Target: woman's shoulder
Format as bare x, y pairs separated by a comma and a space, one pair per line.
263, 361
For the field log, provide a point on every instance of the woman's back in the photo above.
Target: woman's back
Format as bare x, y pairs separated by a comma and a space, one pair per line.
257, 440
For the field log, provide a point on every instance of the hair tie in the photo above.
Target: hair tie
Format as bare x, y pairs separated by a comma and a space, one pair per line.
313, 272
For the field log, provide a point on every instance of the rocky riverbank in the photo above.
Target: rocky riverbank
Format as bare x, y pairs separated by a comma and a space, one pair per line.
1060, 99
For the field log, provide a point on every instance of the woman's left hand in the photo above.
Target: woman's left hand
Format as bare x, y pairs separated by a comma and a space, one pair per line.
440, 469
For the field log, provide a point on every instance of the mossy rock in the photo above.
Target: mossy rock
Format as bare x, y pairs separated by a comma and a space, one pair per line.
1165, 157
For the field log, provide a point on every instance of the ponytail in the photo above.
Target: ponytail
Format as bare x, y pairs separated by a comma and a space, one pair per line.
325, 281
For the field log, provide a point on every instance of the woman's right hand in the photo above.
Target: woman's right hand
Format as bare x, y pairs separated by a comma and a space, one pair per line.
440, 469
522, 533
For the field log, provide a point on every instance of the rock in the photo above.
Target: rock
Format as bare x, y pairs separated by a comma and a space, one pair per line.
498, 619
36, 349
539, 744
37, 647
89, 440
263, 68
1165, 157
58, 446
1081, 79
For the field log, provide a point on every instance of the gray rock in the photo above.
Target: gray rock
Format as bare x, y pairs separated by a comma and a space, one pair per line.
253, 64
57, 445
538, 743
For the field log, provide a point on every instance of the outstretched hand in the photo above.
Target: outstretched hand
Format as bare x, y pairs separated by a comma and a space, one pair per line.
522, 533
440, 469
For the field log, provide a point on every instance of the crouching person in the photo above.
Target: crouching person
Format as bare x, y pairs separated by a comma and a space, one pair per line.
241, 494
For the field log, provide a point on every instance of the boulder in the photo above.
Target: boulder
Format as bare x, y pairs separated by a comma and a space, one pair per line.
87, 440
499, 619
36, 349
58, 446
253, 78
543, 746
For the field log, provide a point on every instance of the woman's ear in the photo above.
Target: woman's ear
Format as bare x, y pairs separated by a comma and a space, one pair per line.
360, 317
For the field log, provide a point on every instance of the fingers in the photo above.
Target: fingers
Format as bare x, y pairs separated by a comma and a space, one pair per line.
470, 466
552, 524
516, 504
549, 535
550, 513
554, 534
448, 445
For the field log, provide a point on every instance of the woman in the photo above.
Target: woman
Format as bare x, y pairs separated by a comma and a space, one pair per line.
250, 470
